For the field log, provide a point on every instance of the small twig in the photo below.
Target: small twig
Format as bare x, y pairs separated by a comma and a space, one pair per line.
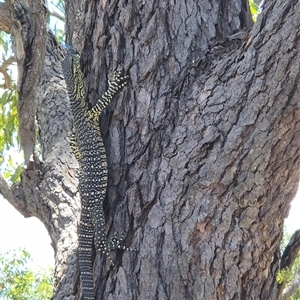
57, 15
3, 69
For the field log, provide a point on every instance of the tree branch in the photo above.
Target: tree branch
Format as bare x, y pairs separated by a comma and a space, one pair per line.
74, 12
5, 19
15, 196
31, 37
3, 69
57, 15
5, 189
290, 253
292, 287
287, 259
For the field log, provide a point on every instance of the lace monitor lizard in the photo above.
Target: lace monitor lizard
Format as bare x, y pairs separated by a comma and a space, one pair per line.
88, 148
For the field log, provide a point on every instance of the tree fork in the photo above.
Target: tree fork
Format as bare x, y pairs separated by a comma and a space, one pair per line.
203, 151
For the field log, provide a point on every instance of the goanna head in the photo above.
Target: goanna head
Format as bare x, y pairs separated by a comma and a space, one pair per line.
72, 73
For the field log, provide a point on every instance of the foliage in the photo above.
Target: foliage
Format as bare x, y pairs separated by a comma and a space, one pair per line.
254, 9
17, 281
8, 120
59, 34
60, 5
3, 43
10, 156
57, 25
286, 275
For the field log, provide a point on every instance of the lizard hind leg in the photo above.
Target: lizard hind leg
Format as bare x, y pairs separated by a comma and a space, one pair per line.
103, 245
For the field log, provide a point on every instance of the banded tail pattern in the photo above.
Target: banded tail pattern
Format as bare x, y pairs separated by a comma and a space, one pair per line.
88, 148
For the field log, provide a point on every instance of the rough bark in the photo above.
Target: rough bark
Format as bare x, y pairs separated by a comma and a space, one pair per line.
28, 19
48, 189
74, 11
6, 21
202, 147
204, 152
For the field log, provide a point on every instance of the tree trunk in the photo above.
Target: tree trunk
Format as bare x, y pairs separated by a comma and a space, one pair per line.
203, 147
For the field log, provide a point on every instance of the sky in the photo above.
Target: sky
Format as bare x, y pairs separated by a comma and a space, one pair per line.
29, 233
292, 222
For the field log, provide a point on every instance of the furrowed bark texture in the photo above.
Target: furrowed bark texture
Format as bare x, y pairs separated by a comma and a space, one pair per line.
48, 188
74, 11
60, 182
49, 191
202, 144
6, 21
29, 28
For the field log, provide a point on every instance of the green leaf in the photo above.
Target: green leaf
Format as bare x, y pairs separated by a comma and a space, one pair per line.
60, 35
3, 42
10, 162
254, 9
16, 175
17, 281
7, 174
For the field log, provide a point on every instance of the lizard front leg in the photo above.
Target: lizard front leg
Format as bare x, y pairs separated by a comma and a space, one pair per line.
114, 86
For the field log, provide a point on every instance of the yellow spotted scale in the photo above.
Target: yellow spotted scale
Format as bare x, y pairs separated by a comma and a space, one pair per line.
88, 148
